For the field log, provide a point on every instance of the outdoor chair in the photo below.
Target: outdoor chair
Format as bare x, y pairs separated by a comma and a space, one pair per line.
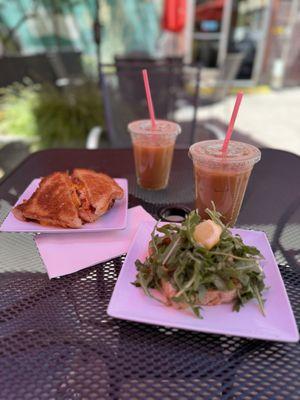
221, 89
285, 238
142, 60
51, 67
225, 77
12, 154
173, 85
167, 74
16, 68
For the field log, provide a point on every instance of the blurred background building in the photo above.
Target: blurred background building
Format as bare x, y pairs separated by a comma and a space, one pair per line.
50, 52
265, 31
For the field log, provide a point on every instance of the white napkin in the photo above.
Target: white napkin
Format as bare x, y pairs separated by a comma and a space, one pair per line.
64, 254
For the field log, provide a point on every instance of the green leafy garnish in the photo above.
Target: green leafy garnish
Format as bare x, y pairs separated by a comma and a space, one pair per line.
186, 272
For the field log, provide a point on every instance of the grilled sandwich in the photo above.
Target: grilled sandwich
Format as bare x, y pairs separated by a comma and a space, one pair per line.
97, 193
54, 203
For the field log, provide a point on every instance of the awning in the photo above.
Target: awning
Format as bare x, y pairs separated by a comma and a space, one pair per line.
211, 10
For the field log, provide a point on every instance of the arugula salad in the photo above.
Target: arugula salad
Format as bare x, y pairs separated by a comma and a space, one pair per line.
201, 263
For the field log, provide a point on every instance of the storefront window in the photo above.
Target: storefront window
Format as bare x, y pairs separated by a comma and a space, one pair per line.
247, 33
207, 32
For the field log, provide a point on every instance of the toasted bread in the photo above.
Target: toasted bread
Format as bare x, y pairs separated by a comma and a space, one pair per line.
97, 193
54, 203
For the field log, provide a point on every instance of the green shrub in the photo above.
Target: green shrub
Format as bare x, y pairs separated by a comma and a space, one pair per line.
65, 116
55, 117
17, 102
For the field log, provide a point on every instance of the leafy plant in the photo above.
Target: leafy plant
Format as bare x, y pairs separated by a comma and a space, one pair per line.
17, 102
184, 271
64, 117
54, 117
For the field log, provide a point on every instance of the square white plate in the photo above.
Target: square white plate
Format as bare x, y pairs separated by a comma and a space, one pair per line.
115, 218
130, 303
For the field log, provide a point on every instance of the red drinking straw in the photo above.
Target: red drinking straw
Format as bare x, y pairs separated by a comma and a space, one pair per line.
232, 121
149, 98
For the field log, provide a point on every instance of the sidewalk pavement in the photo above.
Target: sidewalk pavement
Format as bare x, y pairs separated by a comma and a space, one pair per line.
270, 119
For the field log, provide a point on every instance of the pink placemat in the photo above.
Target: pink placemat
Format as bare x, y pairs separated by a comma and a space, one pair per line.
64, 254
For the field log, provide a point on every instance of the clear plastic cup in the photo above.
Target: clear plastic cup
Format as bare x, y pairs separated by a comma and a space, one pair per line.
153, 151
221, 178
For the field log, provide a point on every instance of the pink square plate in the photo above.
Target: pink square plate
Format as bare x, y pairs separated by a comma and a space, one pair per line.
115, 218
130, 303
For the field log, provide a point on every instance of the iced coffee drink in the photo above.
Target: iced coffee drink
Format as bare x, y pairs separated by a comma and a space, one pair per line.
153, 151
222, 178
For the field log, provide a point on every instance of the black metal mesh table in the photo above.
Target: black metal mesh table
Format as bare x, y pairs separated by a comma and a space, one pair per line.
57, 342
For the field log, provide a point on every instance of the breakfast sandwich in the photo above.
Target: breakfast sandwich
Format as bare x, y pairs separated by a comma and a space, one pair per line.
54, 203
97, 193
69, 201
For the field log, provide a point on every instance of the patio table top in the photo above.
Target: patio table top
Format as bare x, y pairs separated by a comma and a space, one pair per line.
57, 341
